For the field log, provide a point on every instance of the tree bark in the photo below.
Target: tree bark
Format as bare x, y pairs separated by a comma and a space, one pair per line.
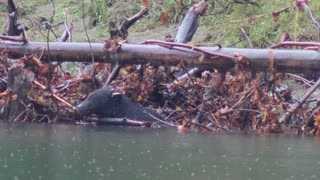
284, 60
190, 23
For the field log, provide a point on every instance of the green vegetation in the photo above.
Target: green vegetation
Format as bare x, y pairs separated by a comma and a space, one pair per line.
222, 20
224, 24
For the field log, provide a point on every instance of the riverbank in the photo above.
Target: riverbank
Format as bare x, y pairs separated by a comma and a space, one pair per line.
222, 23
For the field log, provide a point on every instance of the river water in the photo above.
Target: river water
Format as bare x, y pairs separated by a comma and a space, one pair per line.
65, 152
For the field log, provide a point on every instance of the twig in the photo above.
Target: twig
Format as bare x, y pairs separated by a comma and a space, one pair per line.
66, 85
118, 121
314, 21
42, 117
241, 109
238, 2
160, 120
295, 43
304, 80
129, 22
85, 30
247, 37
122, 31
263, 15
113, 74
68, 28
200, 111
11, 38
246, 94
54, 95
37, 27
293, 109
20, 115
202, 126
63, 101
171, 45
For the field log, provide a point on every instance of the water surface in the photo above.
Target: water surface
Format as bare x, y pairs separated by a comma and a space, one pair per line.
58, 152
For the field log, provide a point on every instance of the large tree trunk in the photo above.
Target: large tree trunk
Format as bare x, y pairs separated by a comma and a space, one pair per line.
293, 61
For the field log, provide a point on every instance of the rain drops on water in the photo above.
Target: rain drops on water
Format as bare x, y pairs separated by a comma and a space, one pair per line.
67, 166
92, 161
178, 164
111, 169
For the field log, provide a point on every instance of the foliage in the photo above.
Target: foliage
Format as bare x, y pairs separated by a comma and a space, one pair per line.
223, 18
262, 28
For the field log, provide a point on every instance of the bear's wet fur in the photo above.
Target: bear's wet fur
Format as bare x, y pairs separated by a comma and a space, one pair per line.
107, 102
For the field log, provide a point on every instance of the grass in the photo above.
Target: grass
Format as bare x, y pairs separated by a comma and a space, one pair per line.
223, 26
263, 30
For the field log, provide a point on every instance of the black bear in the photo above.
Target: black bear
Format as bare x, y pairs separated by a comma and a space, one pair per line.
107, 102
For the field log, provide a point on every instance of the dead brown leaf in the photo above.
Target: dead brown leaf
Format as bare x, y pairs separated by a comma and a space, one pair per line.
145, 3
164, 18
272, 62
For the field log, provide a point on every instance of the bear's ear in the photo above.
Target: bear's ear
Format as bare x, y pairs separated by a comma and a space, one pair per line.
117, 96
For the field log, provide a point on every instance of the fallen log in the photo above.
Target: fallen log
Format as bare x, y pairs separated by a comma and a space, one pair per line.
282, 60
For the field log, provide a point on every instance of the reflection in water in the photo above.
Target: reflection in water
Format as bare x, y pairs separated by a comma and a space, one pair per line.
43, 151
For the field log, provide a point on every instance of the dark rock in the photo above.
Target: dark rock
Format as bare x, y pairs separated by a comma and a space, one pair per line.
107, 102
